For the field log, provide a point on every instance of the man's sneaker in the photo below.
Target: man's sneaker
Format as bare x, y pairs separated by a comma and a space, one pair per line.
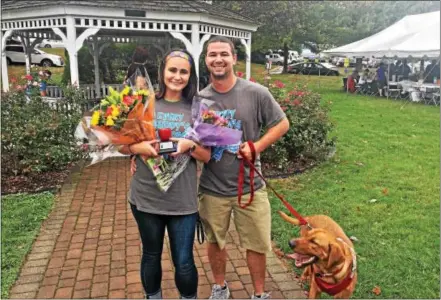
261, 296
218, 292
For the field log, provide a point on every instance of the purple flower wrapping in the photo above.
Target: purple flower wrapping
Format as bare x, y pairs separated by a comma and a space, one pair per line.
212, 135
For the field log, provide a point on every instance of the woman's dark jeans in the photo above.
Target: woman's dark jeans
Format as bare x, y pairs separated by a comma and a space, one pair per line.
181, 231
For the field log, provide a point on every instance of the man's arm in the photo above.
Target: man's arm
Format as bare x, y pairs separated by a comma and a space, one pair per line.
272, 135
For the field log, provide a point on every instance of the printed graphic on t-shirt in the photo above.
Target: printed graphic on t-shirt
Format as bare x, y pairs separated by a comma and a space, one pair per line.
165, 167
217, 151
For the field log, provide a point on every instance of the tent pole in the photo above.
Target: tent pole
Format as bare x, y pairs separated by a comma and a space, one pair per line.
387, 79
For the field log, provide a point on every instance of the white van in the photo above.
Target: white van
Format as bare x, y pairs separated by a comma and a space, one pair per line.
277, 59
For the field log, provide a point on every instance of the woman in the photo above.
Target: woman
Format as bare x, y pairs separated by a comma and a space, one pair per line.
175, 209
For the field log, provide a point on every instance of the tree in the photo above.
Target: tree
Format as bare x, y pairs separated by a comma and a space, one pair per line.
321, 25
278, 20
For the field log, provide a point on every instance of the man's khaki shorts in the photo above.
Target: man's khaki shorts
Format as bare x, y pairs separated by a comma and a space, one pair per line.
253, 223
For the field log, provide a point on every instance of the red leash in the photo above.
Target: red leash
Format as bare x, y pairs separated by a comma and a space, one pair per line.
253, 169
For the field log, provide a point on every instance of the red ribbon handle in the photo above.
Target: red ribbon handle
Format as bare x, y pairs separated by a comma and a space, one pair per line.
253, 169
241, 179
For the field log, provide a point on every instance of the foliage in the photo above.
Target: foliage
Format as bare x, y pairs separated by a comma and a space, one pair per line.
22, 215
307, 139
322, 24
37, 137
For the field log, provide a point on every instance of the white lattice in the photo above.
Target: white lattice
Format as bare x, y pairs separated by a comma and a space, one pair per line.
34, 23
84, 22
216, 30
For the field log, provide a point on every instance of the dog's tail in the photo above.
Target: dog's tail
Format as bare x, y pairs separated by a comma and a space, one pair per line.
288, 218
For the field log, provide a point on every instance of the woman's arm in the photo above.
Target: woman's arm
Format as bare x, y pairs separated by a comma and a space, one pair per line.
146, 148
196, 151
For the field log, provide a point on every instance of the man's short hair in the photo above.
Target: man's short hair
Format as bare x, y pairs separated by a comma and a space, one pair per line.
221, 39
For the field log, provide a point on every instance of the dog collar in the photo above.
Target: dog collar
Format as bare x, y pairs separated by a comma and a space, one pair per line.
333, 289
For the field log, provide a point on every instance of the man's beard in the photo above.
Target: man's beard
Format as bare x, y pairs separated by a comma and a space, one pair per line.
220, 76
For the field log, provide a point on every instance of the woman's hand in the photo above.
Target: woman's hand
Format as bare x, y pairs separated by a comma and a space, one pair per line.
146, 148
184, 145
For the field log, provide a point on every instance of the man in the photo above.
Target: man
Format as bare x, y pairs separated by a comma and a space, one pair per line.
252, 106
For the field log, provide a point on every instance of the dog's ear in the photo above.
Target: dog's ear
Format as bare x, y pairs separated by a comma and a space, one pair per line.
288, 218
334, 255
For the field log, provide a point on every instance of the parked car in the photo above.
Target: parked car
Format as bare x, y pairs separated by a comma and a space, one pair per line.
51, 44
15, 54
312, 68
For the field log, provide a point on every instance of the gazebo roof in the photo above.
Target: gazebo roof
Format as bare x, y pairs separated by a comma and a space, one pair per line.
186, 6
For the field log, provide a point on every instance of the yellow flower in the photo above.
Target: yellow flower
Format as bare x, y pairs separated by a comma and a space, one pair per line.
143, 92
95, 118
125, 91
109, 121
115, 111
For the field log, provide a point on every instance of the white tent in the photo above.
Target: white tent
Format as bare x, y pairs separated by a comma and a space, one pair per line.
414, 35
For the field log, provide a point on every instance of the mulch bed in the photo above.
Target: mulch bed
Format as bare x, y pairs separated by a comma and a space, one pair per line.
33, 183
51, 181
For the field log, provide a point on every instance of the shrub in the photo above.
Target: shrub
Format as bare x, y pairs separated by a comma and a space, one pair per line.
35, 136
307, 140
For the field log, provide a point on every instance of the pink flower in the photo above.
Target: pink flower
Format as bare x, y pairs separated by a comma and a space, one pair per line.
284, 108
13, 80
28, 77
279, 84
252, 79
296, 102
240, 74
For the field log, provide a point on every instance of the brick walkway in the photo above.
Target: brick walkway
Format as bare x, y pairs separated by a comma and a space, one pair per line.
89, 248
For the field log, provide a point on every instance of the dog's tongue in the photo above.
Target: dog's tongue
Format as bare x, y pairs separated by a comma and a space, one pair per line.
298, 257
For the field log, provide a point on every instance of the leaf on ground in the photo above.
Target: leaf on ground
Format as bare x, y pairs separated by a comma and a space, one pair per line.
376, 290
372, 200
359, 163
353, 238
385, 191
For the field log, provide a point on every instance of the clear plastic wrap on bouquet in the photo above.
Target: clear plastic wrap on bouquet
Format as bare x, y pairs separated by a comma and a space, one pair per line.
209, 128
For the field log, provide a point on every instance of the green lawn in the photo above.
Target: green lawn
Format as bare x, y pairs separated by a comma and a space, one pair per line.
22, 215
387, 150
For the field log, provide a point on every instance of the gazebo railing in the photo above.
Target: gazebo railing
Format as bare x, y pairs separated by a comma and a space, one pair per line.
88, 89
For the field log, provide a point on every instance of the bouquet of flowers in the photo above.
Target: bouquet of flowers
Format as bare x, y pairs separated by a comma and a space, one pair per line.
210, 128
121, 118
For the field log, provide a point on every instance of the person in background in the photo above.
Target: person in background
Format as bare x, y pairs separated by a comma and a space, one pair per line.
44, 77
381, 78
352, 81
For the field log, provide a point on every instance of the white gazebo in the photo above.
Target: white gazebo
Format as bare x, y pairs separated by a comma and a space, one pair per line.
99, 22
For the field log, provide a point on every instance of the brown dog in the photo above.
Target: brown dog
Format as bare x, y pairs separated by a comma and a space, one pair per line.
327, 255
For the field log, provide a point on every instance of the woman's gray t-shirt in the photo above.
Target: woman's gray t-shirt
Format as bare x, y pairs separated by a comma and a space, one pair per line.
181, 197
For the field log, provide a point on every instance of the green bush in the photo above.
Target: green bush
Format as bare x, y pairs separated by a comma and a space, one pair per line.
308, 139
35, 136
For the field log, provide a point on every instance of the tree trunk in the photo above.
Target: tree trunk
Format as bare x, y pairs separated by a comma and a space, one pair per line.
285, 57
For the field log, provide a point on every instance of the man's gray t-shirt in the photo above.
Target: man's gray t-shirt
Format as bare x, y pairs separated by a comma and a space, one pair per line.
181, 197
253, 106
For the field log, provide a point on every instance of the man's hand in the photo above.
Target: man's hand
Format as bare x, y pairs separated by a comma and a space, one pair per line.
184, 145
246, 151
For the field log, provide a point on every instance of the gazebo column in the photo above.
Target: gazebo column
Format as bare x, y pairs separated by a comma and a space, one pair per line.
5, 78
247, 45
196, 45
73, 45
95, 50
